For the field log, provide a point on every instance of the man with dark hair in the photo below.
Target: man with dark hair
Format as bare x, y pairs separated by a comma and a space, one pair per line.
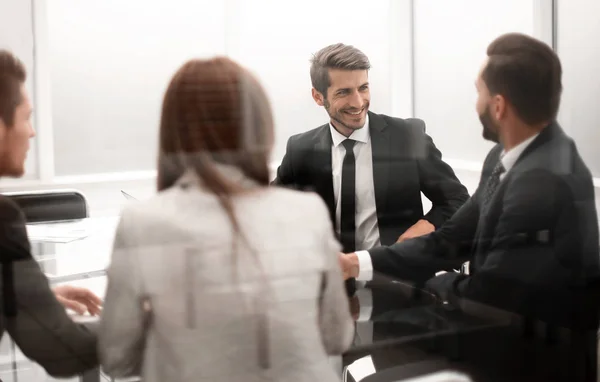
530, 231
31, 311
369, 168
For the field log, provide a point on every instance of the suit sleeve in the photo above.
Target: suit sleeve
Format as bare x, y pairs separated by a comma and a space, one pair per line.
125, 315
420, 258
335, 321
529, 258
35, 320
439, 183
285, 171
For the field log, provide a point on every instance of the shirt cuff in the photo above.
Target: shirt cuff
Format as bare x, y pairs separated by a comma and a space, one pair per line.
365, 301
365, 266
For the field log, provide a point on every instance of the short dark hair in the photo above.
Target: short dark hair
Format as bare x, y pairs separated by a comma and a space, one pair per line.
336, 56
12, 76
528, 73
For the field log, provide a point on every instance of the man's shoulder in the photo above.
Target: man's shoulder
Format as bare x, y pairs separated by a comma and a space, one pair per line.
409, 133
14, 243
553, 164
307, 137
407, 124
555, 153
10, 210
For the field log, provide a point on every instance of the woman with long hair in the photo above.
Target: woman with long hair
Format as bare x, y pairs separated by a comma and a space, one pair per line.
219, 277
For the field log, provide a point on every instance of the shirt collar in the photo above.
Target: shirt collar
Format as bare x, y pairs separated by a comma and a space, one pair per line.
510, 157
359, 135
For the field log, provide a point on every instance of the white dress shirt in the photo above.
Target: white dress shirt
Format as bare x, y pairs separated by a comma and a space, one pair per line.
508, 158
367, 230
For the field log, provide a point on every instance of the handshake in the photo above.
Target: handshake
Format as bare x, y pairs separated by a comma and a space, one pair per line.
349, 262
349, 265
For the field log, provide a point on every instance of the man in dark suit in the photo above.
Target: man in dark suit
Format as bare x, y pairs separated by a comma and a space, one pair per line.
369, 168
30, 311
530, 230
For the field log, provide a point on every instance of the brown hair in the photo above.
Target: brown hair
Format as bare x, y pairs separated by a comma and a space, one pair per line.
336, 56
214, 111
527, 73
12, 76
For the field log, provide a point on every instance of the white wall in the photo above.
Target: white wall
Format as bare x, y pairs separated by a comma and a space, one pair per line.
111, 61
579, 50
450, 42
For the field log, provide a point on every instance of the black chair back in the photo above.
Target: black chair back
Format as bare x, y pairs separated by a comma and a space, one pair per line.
51, 206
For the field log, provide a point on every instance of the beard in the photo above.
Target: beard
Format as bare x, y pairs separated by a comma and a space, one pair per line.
490, 129
344, 119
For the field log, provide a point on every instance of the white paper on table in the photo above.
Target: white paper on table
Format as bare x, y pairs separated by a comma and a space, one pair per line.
58, 232
361, 368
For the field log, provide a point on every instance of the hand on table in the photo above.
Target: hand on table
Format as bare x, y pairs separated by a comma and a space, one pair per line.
80, 300
420, 228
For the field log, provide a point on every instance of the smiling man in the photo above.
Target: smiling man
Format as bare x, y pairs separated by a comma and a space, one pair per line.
370, 169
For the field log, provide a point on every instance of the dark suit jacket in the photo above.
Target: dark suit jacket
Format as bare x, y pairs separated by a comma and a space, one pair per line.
405, 162
33, 317
533, 248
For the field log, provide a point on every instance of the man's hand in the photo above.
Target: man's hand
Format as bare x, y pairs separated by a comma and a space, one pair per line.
420, 228
349, 265
80, 300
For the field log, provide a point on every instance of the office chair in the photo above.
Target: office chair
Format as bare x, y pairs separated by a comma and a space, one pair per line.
51, 205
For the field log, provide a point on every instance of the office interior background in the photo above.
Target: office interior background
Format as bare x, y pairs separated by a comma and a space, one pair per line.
98, 71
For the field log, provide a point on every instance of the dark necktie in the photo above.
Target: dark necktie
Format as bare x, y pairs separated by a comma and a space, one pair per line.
486, 197
493, 182
348, 199
348, 207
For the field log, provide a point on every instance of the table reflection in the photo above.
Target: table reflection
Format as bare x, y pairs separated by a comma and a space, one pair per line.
408, 332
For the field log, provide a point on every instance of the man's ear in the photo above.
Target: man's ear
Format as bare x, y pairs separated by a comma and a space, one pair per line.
3, 128
318, 97
499, 108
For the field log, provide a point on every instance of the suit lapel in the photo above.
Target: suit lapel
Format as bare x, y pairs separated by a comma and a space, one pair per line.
323, 168
381, 151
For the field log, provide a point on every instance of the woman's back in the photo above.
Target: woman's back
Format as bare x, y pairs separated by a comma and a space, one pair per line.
266, 304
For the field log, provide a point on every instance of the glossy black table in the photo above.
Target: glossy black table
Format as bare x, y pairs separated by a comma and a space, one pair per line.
411, 333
